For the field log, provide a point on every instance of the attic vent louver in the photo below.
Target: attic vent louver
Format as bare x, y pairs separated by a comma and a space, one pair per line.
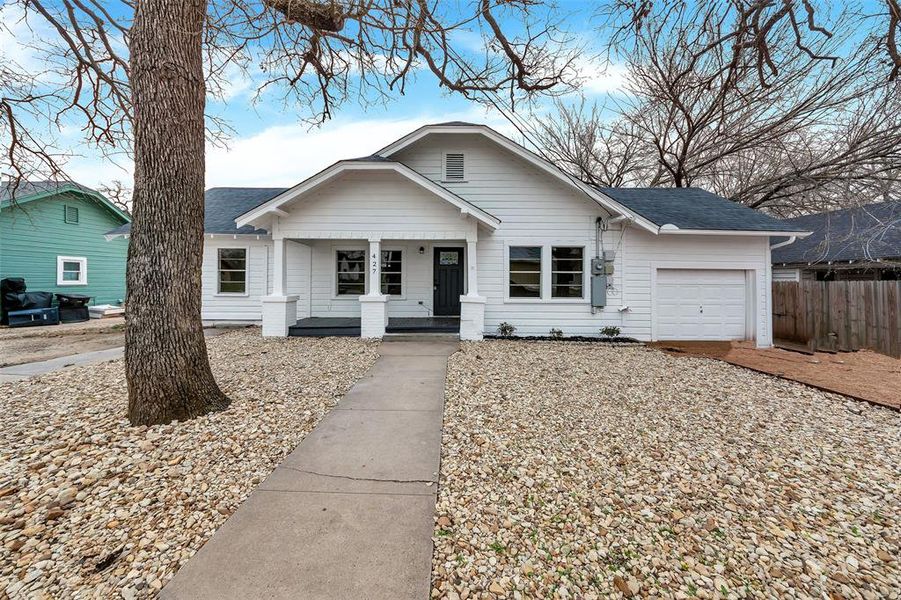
453, 166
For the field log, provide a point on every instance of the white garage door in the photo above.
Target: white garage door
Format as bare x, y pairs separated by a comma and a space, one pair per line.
701, 304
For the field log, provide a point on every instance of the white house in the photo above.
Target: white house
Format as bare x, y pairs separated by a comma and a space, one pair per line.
455, 221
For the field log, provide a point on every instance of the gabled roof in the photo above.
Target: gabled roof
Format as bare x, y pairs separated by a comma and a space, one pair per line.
376, 163
461, 127
221, 207
29, 191
696, 209
861, 234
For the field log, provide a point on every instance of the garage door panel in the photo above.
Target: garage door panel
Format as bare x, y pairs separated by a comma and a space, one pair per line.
701, 304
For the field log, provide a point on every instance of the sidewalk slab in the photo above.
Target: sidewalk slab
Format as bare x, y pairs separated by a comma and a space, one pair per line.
350, 512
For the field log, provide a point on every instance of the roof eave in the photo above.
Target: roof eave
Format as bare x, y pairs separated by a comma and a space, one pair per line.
672, 230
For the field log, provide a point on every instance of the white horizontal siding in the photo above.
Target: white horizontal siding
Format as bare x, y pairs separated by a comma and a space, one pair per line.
365, 204
248, 307
534, 209
644, 252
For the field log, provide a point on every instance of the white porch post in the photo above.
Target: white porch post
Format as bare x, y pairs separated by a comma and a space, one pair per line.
472, 306
279, 309
374, 305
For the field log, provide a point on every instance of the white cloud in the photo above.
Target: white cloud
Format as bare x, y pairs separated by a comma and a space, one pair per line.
286, 154
602, 77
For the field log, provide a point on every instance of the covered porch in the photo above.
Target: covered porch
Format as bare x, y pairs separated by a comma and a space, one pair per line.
325, 287
374, 241
350, 326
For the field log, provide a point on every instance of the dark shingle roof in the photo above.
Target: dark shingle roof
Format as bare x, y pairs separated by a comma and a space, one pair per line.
863, 233
693, 208
223, 205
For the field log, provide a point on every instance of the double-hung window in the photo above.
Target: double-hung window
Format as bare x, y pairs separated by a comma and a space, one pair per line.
351, 272
71, 270
525, 272
392, 272
232, 271
567, 271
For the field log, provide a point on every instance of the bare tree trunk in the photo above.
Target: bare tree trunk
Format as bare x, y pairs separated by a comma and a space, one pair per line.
166, 360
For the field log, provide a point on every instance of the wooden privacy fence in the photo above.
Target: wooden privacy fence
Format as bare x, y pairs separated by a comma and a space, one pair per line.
839, 315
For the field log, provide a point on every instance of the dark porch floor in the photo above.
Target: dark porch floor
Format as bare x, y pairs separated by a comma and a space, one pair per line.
350, 326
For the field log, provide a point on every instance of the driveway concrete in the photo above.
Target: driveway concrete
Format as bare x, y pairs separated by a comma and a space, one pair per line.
349, 513
15, 372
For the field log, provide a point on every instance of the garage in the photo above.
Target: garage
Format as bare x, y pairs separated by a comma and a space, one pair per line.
701, 304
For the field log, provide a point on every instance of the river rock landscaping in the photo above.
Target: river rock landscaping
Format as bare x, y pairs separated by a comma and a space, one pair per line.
93, 507
585, 471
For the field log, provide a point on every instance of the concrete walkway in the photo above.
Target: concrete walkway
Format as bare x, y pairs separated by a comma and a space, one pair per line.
16, 372
349, 513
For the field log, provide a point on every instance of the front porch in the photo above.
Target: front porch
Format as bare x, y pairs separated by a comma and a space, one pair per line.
350, 326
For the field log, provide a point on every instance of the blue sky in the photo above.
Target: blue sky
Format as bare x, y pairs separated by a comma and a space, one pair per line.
273, 146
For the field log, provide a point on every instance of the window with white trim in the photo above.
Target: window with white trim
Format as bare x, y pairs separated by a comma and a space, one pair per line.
392, 272
232, 271
567, 271
71, 270
350, 268
454, 166
525, 272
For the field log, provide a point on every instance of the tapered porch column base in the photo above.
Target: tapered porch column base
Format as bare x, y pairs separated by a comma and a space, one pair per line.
373, 316
279, 313
472, 317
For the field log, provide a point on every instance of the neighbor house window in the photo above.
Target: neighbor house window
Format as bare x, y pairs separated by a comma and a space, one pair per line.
351, 272
70, 214
566, 272
71, 270
453, 166
525, 271
232, 270
392, 272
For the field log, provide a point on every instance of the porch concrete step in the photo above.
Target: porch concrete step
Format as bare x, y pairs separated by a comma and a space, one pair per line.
421, 337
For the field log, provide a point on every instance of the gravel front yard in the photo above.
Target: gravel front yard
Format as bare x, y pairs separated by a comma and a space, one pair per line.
572, 470
92, 507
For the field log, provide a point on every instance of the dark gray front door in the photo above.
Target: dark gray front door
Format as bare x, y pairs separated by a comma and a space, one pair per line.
448, 281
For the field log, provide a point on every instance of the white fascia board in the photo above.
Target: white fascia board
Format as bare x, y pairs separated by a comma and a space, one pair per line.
600, 198
272, 206
664, 231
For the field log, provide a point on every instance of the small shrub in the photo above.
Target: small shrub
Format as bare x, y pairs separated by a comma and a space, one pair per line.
556, 333
610, 331
506, 329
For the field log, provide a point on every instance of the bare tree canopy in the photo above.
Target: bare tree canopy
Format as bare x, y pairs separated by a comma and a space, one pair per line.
792, 126
134, 79
313, 54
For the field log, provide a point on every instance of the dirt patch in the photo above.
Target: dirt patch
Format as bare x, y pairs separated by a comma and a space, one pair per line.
30, 344
864, 375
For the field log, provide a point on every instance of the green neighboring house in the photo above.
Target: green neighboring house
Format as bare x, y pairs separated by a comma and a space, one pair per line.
52, 235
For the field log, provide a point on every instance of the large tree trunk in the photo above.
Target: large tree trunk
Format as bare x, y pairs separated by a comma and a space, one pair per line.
166, 361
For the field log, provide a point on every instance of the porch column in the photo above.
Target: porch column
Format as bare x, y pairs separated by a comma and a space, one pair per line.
374, 305
472, 306
279, 309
